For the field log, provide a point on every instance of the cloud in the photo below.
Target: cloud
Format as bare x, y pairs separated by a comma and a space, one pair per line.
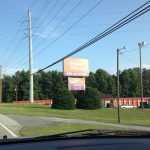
147, 66
12, 71
40, 35
113, 70
48, 32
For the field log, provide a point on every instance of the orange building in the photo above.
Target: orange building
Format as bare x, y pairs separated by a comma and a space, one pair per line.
131, 101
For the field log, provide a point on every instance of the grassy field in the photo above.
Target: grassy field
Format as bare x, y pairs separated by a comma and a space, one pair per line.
130, 116
60, 128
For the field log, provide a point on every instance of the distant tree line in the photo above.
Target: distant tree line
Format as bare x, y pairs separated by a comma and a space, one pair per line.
47, 84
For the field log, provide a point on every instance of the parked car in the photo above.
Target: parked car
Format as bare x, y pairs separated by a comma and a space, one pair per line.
128, 106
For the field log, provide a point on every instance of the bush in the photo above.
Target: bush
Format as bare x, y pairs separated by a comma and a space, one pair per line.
90, 99
145, 105
148, 105
63, 99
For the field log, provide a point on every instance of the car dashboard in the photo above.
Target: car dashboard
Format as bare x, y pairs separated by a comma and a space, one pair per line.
94, 143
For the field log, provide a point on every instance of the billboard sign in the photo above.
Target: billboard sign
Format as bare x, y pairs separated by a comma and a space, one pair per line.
75, 67
76, 84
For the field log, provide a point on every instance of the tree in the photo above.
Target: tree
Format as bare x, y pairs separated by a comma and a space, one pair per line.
46, 84
129, 80
91, 80
90, 99
105, 83
146, 82
8, 92
101, 77
22, 79
62, 98
111, 89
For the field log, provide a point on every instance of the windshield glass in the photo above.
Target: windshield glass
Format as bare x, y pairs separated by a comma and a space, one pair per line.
74, 65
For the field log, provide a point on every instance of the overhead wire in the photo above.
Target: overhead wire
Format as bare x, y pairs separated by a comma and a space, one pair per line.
57, 12
43, 17
52, 19
13, 45
75, 23
26, 56
122, 22
17, 42
34, 3
71, 26
64, 19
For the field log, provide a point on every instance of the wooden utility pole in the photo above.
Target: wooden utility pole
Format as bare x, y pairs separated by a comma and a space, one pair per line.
118, 83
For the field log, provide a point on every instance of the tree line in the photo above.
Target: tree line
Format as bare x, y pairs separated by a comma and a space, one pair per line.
47, 84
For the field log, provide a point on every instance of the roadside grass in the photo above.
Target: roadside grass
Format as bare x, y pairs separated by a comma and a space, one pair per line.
128, 116
60, 128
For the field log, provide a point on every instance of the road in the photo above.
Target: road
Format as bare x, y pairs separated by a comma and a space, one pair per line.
11, 124
9, 127
42, 121
3, 132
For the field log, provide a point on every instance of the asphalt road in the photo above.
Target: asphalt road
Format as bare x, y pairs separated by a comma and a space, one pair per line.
42, 121
8, 127
4, 132
11, 124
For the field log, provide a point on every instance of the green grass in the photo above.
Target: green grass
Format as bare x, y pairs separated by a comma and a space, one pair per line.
59, 128
128, 116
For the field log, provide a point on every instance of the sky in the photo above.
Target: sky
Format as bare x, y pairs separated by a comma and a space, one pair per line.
60, 26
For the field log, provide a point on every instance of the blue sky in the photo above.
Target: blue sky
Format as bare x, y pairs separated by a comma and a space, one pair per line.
48, 26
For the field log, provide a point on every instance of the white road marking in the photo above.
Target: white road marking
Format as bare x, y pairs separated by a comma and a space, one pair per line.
8, 130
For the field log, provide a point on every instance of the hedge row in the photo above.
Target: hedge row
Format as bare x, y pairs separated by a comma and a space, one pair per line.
89, 99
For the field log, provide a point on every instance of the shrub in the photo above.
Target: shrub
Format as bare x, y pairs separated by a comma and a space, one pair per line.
63, 99
90, 99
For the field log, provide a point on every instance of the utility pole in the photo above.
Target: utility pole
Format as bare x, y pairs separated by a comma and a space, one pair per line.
0, 83
141, 45
30, 56
16, 92
16, 87
118, 84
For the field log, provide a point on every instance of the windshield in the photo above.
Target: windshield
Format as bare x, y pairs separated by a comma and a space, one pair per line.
74, 65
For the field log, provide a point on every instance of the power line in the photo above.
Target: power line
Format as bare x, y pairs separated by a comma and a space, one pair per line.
14, 41
26, 56
64, 18
52, 19
72, 25
55, 16
42, 18
122, 22
34, 3
58, 12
